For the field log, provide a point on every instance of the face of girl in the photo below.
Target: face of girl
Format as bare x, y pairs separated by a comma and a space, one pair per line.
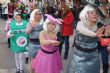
51, 26
18, 18
38, 16
93, 16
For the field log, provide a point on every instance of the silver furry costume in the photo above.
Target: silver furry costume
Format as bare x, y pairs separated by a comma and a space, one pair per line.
85, 62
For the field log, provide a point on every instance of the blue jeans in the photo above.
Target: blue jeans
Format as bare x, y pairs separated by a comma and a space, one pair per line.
66, 42
104, 54
0, 15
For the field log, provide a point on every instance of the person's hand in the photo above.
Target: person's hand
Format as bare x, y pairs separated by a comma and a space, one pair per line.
100, 31
60, 20
56, 43
33, 23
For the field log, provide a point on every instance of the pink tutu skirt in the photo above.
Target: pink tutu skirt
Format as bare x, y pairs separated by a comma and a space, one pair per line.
47, 63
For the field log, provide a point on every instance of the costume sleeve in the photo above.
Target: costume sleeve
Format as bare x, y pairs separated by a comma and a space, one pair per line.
28, 29
7, 27
85, 31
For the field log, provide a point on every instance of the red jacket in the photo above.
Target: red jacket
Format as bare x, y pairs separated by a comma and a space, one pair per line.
68, 24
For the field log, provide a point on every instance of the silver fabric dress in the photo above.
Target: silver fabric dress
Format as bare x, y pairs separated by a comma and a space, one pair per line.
85, 62
34, 47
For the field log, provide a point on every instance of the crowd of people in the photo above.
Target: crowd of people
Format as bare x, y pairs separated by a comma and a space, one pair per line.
41, 32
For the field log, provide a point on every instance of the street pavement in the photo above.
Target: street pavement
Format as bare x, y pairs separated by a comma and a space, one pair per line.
7, 62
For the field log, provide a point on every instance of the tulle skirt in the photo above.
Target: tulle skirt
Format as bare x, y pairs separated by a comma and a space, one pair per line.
47, 63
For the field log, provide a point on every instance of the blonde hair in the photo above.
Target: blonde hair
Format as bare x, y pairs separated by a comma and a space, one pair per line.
47, 22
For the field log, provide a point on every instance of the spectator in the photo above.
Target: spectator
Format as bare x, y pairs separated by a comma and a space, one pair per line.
67, 27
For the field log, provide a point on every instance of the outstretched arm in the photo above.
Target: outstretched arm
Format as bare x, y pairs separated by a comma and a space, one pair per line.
88, 32
85, 31
44, 41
